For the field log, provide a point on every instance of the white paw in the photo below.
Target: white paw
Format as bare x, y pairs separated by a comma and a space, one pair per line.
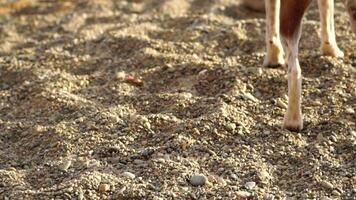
331, 50
274, 56
293, 122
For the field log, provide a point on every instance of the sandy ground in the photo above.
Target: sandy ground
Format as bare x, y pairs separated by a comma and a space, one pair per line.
131, 99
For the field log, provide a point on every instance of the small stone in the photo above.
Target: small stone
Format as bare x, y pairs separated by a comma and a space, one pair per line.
350, 111
81, 194
281, 104
147, 125
67, 196
335, 193
40, 128
268, 197
221, 181
327, 184
250, 97
128, 175
198, 180
11, 169
250, 185
234, 177
353, 134
264, 175
258, 71
320, 137
65, 165
120, 75
325, 198
266, 132
139, 162
317, 103
160, 160
333, 138
257, 94
255, 70
202, 72
147, 152
192, 195
231, 126
211, 152
243, 194
104, 187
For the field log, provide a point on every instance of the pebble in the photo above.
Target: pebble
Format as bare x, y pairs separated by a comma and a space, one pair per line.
221, 170
325, 198
160, 160
231, 126
264, 175
255, 70
327, 184
257, 94
281, 104
317, 103
320, 137
120, 75
243, 194
221, 181
147, 152
211, 152
40, 128
104, 187
81, 195
147, 125
267, 132
250, 97
353, 134
198, 180
65, 165
333, 138
336, 193
139, 162
128, 175
350, 111
202, 72
268, 197
192, 195
250, 185
234, 177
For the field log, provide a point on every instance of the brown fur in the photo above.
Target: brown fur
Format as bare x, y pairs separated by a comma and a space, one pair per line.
17, 5
351, 9
291, 15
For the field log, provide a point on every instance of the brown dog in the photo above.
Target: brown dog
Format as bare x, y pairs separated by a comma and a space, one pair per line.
283, 18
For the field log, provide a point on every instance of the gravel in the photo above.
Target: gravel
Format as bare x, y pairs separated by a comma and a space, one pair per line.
133, 99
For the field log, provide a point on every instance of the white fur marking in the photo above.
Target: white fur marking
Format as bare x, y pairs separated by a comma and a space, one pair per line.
328, 40
274, 55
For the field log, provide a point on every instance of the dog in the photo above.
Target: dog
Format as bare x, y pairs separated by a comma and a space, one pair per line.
283, 30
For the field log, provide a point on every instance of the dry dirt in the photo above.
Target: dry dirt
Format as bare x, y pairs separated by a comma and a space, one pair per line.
130, 99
